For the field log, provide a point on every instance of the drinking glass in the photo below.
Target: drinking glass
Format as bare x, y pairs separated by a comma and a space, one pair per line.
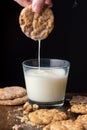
46, 84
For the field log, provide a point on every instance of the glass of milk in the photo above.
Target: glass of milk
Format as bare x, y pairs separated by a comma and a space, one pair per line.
46, 81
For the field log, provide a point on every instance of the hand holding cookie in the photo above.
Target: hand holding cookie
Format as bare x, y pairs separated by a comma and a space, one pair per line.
37, 5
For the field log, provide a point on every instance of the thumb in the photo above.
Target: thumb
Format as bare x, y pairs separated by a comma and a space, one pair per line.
37, 5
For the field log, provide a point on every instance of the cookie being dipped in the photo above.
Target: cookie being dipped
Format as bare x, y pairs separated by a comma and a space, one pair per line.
36, 26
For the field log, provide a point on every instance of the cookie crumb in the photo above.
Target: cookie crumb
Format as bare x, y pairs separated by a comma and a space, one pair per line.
35, 107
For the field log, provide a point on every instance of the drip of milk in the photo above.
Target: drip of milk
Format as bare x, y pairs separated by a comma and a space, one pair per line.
39, 46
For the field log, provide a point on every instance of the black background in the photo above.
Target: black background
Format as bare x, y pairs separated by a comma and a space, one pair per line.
67, 41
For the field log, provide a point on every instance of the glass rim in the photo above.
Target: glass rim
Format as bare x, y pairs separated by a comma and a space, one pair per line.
67, 63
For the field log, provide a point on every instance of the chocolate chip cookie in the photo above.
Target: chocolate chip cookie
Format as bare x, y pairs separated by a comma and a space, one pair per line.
45, 116
82, 119
79, 104
36, 26
16, 101
78, 100
12, 92
64, 125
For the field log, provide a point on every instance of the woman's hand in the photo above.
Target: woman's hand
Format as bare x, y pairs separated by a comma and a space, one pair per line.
37, 5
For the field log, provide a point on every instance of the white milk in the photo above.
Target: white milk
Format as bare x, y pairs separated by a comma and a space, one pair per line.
46, 85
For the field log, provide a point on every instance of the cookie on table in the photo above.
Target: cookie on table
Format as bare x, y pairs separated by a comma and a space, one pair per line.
78, 100
64, 125
36, 26
45, 116
12, 92
82, 119
15, 101
79, 104
79, 108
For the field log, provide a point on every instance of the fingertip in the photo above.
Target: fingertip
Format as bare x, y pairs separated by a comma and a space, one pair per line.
37, 5
36, 10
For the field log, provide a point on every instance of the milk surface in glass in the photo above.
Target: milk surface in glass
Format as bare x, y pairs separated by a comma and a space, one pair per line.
46, 85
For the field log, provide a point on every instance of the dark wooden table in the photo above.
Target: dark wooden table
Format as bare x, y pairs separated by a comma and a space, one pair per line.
8, 114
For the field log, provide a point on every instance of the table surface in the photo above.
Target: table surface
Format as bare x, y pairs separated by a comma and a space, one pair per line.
8, 114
